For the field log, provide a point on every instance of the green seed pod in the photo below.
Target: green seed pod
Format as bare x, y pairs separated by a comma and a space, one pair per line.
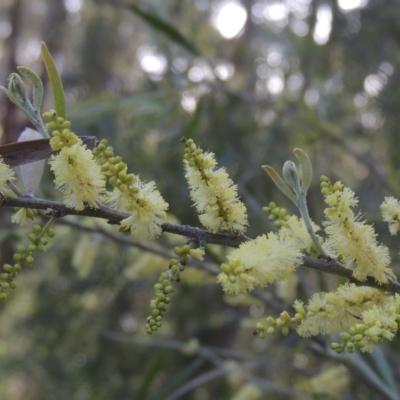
32, 248
4, 277
165, 282
155, 312
13, 285
43, 241
3, 297
37, 229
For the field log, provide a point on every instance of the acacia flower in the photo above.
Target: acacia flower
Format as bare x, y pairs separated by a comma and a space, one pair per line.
146, 206
354, 240
214, 194
340, 310
78, 176
6, 174
258, 263
391, 213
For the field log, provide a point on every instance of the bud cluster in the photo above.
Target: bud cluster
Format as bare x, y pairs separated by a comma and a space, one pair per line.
59, 128
21, 214
177, 265
273, 324
23, 257
327, 187
277, 214
115, 168
363, 337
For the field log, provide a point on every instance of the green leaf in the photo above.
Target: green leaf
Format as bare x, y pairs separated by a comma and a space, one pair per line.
36, 84
280, 183
305, 168
55, 82
166, 28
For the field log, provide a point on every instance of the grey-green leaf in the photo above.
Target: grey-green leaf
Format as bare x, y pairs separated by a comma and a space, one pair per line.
37, 85
305, 168
280, 183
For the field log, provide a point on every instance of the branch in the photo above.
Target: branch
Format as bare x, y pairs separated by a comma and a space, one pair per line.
202, 236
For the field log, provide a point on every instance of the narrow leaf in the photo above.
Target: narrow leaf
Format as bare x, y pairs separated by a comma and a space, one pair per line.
305, 168
37, 85
55, 82
164, 27
280, 183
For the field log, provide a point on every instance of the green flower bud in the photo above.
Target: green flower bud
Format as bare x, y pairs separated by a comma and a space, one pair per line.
4, 285
4, 277
155, 312
32, 237
37, 229
8, 268
13, 285
169, 289
3, 297
50, 233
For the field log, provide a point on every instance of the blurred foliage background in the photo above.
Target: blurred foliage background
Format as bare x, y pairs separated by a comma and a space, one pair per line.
248, 80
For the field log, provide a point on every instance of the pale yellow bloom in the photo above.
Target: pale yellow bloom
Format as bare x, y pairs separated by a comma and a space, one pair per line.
20, 217
340, 310
6, 174
258, 263
331, 382
214, 194
78, 176
147, 209
354, 240
391, 213
380, 322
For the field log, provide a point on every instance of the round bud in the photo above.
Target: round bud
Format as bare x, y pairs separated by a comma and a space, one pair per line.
29, 260
32, 248
17, 257
13, 285
37, 229
165, 282
168, 289
155, 312
8, 268
17, 267
285, 330
3, 297
43, 241
4, 285
40, 248
4, 277
50, 233
32, 237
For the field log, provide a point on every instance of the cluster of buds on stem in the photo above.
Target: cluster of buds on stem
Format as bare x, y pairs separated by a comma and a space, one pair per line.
61, 134
114, 167
23, 257
163, 288
278, 215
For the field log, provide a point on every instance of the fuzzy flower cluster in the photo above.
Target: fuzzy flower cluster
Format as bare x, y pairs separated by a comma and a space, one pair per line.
141, 200
391, 213
330, 383
335, 311
214, 194
259, 262
354, 241
76, 172
6, 174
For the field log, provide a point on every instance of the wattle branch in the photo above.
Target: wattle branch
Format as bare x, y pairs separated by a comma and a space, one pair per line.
201, 236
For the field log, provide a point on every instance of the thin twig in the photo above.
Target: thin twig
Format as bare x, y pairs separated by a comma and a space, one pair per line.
202, 236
